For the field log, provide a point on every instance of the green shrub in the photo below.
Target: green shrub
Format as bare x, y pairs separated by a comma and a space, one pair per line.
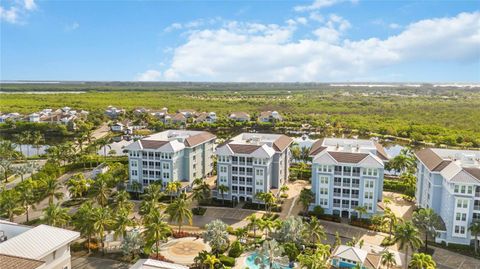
227, 261
236, 249
200, 211
318, 211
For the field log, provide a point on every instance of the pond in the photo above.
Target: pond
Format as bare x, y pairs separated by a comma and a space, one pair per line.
31, 150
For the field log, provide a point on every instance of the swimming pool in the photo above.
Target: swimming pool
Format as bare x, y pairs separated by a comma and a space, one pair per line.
250, 263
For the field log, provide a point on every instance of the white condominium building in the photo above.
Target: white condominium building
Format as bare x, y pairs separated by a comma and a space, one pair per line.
448, 181
346, 174
251, 163
173, 155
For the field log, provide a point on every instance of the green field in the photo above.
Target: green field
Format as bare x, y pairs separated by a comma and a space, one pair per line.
449, 116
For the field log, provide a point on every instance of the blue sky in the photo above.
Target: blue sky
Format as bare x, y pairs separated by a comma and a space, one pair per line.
322, 40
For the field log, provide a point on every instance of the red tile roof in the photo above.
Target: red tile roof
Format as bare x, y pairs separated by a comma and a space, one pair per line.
347, 157
243, 148
198, 139
14, 262
282, 143
431, 160
317, 147
152, 144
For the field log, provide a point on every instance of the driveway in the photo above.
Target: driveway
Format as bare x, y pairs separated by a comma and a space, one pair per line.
87, 262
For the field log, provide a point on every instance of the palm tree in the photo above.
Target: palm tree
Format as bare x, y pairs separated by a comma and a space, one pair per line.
254, 223
211, 260
27, 196
388, 259
407, 237
55, 215
426, 220
179, 211
83, 221
422, 261
101, 191
78, 185
37, 140
102, 222
361, 210
26, 138
104, 143
9, 203
51, 188
475, 229
199, 195
136, 187
171, 189
153, 193
314, 231
156, 230
268, 225
284, 189
222, 188
122, 222
389, 218
306, 198
270, 252
121, 201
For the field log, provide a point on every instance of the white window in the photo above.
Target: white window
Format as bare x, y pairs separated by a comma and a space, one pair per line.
470, 189
259, 172
462, 203
368, 195
461, 216
323, 180
370, 172
166, 175
259, 182
368, 184
323, 191
166, 166
134, 163
223, 169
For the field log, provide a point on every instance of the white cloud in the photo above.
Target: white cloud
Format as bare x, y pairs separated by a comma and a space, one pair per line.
149, 75
17, 10
394, 26
29, 4
72, 27
240, 51
318, 4
9, 15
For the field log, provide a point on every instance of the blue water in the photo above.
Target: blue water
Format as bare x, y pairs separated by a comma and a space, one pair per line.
250, 263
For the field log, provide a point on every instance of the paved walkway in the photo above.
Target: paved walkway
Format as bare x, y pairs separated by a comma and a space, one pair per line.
183, 250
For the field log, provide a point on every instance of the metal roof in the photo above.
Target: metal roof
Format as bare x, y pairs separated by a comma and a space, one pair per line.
37, 242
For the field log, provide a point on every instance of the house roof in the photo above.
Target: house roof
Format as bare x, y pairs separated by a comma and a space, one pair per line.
197, 139
475, 172
243, 149
152, 144
37, 242
350, 253
430, 159
155, 264
14, 262
348, 157
381, 153
282, 143
317, 147
239, 114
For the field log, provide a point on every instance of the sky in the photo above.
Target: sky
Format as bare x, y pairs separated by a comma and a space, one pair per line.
241, 41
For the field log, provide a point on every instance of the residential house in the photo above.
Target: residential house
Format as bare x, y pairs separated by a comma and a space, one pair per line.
173, 155
346, 174
179, 118
188, 113
348, 257
206, 117
34, 117
239, 116
269, 116
448, 181
251, 163
43, 246
114, 112
160, 114
10, 116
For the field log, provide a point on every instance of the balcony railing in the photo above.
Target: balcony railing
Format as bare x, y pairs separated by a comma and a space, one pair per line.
356, 174
337, 183
355, 185
345, 206
249, 173
345, 194
249, 163
338, 172
234, 181
337, 194
336, 205
476, 207
346, 184
477, 194
354, 195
